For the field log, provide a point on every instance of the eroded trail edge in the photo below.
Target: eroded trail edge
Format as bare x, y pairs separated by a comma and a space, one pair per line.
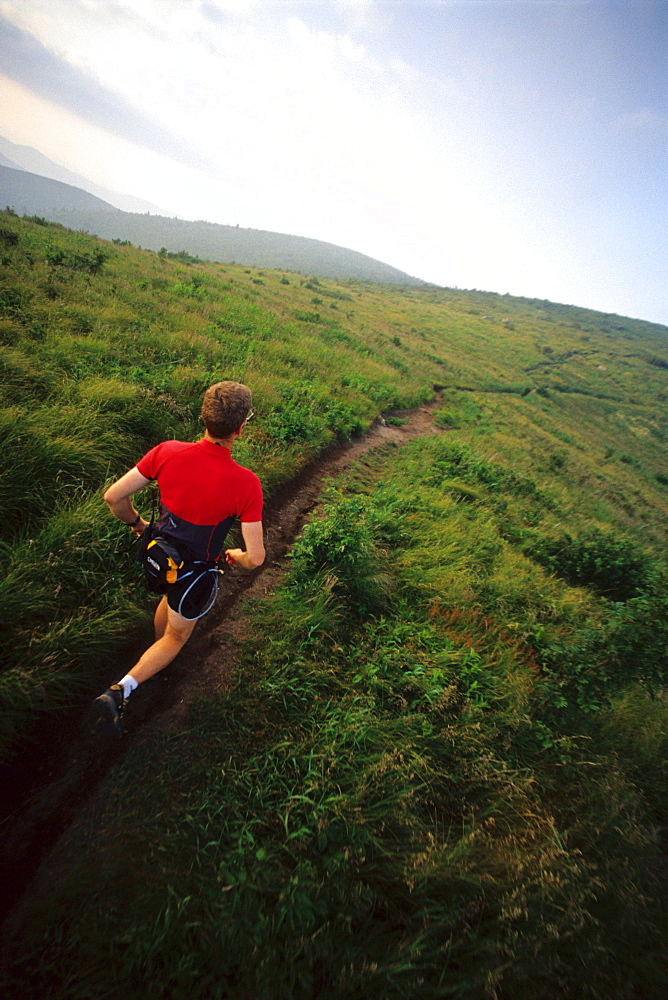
45, 794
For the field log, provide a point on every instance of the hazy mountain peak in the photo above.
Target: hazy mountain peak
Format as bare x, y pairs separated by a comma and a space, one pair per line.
29, 159
29, 193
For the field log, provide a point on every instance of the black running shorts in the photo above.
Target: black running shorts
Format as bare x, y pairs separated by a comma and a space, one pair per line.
194, 593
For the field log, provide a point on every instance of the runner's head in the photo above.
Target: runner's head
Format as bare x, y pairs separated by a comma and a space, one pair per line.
225, 408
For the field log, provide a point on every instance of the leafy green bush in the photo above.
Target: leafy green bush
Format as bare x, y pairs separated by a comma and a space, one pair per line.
88, 262
337, 553
613, 566
309, 413
586, 667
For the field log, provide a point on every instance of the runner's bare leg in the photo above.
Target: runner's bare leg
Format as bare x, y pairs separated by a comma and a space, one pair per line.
160, 619
176, 633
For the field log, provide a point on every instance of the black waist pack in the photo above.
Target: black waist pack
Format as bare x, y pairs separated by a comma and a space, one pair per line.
161, 560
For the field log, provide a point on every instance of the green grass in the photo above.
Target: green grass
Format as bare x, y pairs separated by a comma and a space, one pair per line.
441, 769
392, 799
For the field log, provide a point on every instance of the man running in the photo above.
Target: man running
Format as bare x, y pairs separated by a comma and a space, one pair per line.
202, 490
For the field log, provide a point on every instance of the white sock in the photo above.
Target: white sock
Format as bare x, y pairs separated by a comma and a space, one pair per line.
128, 684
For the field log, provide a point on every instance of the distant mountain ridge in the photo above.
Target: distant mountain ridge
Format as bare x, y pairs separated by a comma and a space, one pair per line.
26, 158
31, 194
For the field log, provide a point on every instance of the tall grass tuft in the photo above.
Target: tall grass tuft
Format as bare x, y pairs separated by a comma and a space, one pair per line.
65, 610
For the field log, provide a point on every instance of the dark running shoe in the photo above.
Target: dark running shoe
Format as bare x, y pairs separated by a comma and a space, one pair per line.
108, 712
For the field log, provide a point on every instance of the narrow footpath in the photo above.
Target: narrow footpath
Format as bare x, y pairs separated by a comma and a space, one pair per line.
46, 792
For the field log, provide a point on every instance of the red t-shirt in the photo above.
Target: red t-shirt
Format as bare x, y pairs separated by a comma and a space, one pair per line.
202, 490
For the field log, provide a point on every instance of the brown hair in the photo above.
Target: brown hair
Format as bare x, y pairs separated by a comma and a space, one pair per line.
226, 406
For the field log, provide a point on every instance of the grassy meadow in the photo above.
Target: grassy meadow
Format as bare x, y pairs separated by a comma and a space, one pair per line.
441, 771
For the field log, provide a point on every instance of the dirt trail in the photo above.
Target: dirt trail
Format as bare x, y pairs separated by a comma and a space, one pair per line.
44, 794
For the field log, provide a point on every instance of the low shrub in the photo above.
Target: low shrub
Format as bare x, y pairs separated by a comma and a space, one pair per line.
611, 565
338, 549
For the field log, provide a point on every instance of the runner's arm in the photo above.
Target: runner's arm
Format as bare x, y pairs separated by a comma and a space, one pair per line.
254, 542
118, 498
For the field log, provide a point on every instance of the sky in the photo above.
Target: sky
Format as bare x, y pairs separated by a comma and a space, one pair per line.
515, 146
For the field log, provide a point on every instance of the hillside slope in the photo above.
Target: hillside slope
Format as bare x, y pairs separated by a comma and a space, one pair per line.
104, 349
440, 766
232, 244
26, 158
30, 194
